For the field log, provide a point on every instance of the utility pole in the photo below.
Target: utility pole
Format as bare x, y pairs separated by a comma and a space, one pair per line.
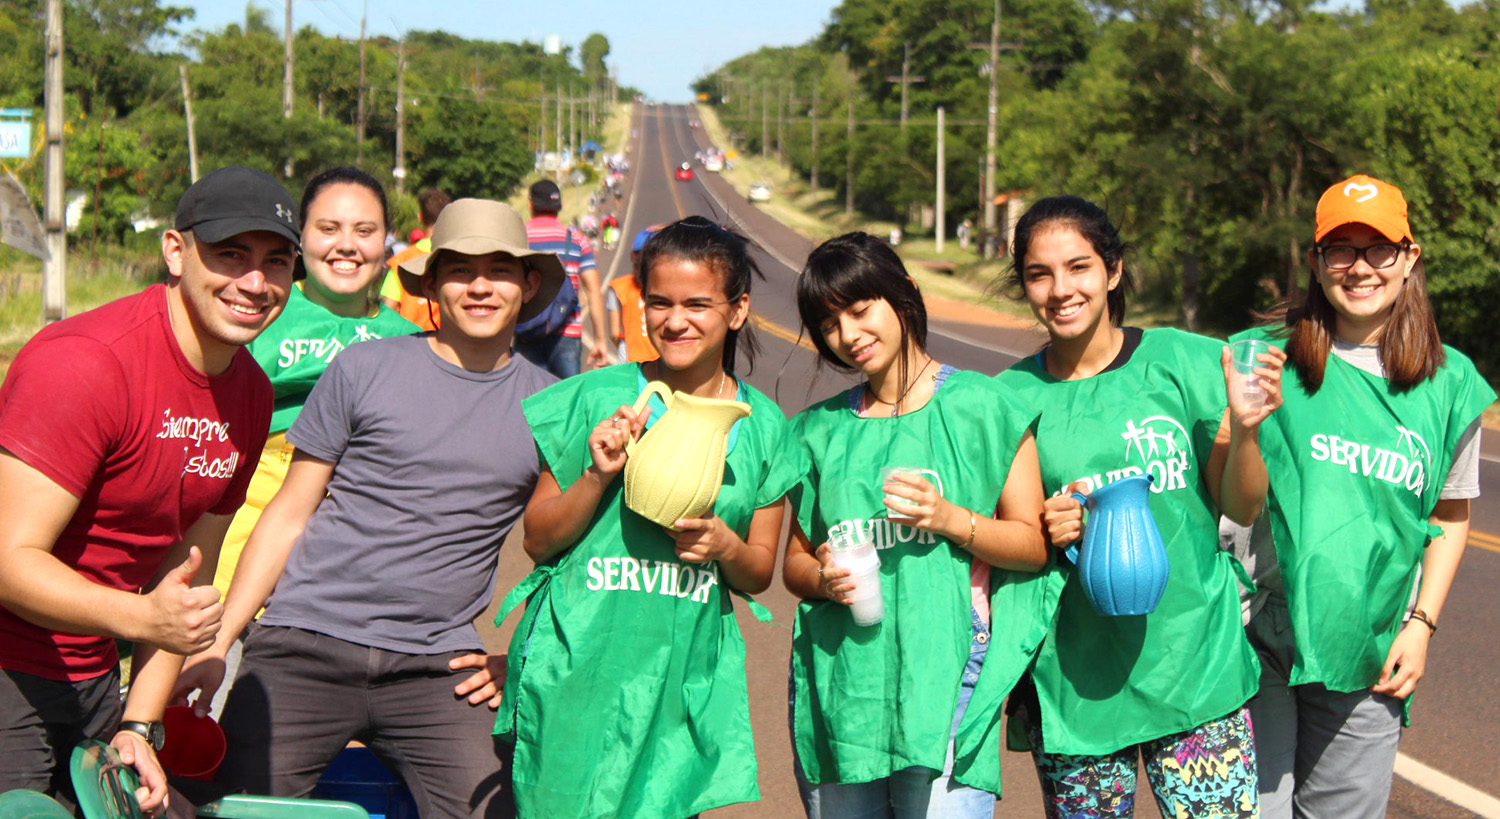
780, 124
987, 249
765, 119
54, 268
400, 172
558, 130
906, 79
942, 185
849, 164
187, 114
814, 117
359, 134
286, 88
572, 121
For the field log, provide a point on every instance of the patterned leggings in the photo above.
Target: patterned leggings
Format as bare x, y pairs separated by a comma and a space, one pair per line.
1205, 773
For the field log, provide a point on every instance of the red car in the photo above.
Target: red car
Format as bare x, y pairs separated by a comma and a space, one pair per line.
684, 172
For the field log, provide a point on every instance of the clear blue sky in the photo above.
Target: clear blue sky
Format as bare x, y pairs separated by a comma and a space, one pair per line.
659, 46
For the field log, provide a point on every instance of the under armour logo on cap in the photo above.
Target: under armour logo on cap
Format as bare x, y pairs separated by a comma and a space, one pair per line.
283, 213
1370, 191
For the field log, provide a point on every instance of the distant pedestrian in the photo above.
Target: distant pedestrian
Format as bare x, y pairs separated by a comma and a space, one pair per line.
965, 233
553, 338
1374, 464
627, 307
413, 306
129, 434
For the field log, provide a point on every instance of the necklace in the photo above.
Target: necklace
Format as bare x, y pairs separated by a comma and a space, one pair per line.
896, 405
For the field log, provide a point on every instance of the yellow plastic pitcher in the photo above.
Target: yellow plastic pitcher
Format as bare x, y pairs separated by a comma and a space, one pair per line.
677, 466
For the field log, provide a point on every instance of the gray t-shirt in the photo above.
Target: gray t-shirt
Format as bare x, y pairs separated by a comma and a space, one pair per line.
434, 464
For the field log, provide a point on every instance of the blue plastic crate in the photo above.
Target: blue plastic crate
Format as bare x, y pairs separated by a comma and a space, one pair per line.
355, 775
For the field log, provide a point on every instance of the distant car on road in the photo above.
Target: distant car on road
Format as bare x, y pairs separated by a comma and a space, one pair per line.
693, 123
760, 192
713, 163
684, 172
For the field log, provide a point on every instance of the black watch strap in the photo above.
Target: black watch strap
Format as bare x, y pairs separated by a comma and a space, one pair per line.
154, 732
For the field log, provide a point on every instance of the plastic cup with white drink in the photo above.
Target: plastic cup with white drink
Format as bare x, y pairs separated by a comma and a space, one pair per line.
886, 472
1246, 357
856, 552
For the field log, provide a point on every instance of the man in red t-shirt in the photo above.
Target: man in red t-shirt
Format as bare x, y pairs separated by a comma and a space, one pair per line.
127, 437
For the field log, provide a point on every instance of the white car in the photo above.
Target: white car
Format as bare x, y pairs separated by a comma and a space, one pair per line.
713, 163
760, 192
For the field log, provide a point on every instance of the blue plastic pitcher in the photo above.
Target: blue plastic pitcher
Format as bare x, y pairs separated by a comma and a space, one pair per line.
1123, 563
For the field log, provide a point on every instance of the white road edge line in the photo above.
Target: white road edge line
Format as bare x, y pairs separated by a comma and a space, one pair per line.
1463, 795
794, 267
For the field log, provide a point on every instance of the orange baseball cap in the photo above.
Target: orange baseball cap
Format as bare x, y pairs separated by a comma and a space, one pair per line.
1363, 200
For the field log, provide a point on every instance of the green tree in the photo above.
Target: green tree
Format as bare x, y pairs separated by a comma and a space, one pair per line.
594, 50
468, 149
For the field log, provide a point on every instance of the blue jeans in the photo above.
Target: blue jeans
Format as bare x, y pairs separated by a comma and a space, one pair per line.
911, 793
560, 355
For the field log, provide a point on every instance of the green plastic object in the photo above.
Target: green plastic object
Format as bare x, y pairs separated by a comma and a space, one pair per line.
278, 807
106, 790
105, 786
24, 804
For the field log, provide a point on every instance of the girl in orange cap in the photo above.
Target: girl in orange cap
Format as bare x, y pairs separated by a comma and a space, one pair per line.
1372, 463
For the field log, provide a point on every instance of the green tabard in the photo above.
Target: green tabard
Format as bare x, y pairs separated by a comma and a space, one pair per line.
1355, 470
625, 695
870, 701
301, 343
1105, 683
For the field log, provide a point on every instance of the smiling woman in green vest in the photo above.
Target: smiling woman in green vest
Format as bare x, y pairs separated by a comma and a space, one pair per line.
1165, 690
902, 717
625, 694
1373, 462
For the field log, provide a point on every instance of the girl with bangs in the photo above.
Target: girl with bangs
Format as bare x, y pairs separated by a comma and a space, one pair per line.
1373, 462
902, 718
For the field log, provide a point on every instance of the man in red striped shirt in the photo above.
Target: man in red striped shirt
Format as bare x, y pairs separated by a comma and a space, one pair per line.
558, 346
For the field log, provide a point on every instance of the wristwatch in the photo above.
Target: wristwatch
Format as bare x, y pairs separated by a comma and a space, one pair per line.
153, 732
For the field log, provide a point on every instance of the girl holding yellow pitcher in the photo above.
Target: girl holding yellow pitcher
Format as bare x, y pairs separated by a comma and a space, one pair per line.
625, 694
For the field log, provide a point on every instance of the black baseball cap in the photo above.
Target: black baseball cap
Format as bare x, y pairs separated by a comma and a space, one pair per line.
236, 200
546, 196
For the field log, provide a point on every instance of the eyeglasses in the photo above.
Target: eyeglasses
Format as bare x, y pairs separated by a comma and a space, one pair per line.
1343, 257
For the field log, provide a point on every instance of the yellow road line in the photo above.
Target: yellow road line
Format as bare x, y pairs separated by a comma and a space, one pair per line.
796, 339
1484, 541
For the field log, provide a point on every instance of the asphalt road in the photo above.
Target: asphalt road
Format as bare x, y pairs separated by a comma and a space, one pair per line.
1454, 716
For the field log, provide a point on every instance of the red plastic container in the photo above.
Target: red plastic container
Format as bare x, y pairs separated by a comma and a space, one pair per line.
194, 746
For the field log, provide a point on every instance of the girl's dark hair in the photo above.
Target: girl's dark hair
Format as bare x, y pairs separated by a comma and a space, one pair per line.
345, 175
851, 268
1093, 224
724, 251
1410, 347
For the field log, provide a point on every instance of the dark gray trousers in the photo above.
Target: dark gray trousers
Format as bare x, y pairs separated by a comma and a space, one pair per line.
40, 722
300, 697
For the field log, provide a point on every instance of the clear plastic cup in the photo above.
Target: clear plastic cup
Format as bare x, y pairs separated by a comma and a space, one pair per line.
857, 554
1242, 379
931, 476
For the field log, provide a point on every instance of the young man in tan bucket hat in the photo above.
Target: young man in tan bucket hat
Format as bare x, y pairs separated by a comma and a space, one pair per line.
412, 463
